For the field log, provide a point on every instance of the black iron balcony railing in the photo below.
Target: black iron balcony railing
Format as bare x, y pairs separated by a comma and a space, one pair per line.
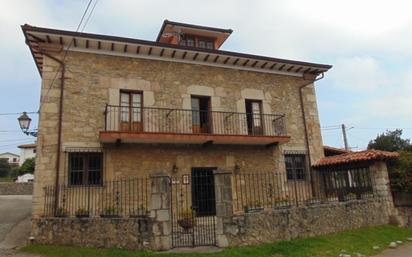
181, 121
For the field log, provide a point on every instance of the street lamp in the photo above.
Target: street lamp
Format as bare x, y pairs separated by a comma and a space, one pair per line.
24, 122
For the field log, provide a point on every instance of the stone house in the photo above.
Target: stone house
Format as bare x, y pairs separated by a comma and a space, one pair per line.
115, 111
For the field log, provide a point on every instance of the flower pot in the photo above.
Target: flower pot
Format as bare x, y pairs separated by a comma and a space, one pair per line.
254, 209
186, 223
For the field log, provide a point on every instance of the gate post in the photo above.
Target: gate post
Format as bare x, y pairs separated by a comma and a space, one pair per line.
224, 207
160, 211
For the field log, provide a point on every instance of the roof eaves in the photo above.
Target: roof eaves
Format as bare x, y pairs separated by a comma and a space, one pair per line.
27, 28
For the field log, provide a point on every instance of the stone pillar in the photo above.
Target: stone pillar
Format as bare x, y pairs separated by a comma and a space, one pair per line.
224, 207
160, 211
381, 185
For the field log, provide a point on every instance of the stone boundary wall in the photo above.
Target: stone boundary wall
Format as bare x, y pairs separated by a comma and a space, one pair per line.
301, 222
11, 188
405, 213
95, 232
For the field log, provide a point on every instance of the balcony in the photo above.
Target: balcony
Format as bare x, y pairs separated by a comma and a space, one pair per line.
125, 124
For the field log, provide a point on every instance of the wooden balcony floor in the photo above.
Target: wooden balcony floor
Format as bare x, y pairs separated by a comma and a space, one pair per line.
173, 138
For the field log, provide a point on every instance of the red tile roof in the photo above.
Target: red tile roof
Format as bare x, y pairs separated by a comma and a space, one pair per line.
329, 150
354, 157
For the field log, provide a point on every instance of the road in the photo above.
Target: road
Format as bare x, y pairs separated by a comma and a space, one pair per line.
15, 212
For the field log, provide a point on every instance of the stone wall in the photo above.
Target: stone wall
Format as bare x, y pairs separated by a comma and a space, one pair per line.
11, 188
301, 222
94, 232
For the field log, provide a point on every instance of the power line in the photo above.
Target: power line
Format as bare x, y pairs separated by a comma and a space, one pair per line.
17, 113
70, 44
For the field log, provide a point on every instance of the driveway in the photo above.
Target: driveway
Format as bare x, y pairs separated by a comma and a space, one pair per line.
404, 250
15, 214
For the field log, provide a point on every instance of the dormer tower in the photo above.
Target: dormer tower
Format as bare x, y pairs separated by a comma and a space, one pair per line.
190, 35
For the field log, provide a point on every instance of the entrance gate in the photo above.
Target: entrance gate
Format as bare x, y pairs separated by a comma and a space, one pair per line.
193, 209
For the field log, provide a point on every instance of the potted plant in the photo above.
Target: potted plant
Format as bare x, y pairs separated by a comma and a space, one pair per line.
313, 201
82, 213
281, 202
140, 211
254, 206
350, 196
110, 212
186, 220
61, 212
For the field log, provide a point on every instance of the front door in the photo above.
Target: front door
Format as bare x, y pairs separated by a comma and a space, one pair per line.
193, 209
203, 191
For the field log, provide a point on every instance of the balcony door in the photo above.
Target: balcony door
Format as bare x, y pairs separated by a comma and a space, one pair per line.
201, 119
254, 117
131, 114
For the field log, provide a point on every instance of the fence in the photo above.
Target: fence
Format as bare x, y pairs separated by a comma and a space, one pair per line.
250, 191
123, 198
181, 121
256, 191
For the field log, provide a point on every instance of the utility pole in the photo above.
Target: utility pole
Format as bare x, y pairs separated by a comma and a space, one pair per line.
345, 139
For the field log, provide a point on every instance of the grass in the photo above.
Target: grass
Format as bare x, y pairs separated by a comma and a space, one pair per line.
352, 242
6, 179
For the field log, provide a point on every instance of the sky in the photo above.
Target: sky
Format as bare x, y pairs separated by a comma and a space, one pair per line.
368, 42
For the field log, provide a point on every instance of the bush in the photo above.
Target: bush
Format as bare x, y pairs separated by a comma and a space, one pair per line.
4, 168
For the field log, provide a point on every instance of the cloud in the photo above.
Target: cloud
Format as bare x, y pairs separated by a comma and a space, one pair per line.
359, 73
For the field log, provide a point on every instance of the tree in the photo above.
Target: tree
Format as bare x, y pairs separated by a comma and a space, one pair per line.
390, 141
4, 168
400, 172
27, 166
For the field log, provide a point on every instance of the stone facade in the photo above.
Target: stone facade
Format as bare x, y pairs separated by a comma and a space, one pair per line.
92, 81
11, 188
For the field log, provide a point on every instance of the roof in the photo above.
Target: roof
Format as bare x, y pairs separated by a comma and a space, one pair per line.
356, 157
27, 146
37, 37
330, 151
10, 154
193, 26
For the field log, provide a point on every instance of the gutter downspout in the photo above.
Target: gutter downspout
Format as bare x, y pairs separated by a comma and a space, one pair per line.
59, 128
302, 107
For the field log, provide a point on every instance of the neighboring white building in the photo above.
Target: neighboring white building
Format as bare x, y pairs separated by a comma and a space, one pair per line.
25, 178
12, 158
27, 151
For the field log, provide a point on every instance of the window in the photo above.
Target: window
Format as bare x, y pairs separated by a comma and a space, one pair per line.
295, 166
34, 150
85, 168
131, 111
14, 159
195, 41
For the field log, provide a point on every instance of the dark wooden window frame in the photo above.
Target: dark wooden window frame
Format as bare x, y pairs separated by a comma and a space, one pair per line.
86, 170
131, 92
196, 40
294, 175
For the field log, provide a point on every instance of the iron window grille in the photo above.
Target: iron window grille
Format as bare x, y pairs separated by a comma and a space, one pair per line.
85, 168
295, 166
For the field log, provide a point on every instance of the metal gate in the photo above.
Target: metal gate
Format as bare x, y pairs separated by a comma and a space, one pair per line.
193, 209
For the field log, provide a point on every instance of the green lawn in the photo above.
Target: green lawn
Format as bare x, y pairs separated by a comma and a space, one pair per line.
352, 242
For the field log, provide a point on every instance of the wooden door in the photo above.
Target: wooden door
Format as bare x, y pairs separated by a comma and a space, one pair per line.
131, 115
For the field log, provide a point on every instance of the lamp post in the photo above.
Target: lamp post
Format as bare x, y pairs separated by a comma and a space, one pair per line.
24, 122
